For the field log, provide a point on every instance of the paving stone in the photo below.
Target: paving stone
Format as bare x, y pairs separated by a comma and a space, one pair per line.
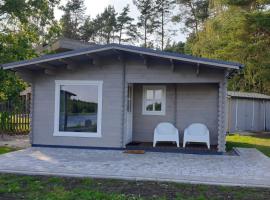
250, 168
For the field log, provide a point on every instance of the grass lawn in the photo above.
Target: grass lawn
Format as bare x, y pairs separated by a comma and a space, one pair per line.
6, 150
54, 188
261, 141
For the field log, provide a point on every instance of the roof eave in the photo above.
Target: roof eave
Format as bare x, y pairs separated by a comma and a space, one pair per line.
14, 65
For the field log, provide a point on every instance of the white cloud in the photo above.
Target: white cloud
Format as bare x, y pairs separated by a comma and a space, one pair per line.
94, 7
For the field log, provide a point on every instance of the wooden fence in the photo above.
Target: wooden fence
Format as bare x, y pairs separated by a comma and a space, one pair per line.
15, 117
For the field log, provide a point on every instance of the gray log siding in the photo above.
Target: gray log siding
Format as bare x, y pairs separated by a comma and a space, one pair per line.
124, 102
194, 103
136, 72
144, 125
198, 103
222, 114
267, 115
43, 124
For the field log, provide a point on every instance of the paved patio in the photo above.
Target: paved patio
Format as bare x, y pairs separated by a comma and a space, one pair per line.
250, 168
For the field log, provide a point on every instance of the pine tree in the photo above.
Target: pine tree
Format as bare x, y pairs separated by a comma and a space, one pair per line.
192, 13
146, 19
109, 21
163, 11
73, 18
126, 29
88, 30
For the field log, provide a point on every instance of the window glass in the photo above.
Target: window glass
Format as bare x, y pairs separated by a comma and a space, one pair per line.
157, 106
158, 94
149, 94
78, 108
149, 106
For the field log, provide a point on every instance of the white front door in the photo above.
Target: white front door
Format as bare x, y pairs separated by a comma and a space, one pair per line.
129, 113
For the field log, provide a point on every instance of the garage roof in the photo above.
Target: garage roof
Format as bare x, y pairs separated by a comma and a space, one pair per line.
249, 95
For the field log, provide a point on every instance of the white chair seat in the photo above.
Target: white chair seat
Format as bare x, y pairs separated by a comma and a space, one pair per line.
196, 133
166, 132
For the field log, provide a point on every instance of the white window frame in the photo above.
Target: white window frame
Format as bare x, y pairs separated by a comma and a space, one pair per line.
163, 100
58, 84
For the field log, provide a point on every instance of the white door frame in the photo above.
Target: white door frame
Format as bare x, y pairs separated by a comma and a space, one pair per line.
129, 114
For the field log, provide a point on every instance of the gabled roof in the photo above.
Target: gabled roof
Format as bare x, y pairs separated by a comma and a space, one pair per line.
125, 48
249, 95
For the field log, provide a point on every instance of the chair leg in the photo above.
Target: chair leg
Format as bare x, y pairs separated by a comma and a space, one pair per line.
184, 144
208, 145
154, 143
177, 143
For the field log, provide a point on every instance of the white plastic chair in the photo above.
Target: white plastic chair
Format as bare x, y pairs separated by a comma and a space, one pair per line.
166, 132
196, 133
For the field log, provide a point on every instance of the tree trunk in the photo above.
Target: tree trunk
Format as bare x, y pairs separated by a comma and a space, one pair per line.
145, 32
120, 35
162, 30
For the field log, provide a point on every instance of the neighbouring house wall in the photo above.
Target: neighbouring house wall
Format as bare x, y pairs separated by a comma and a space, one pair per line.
195, 103
246, 114
44, 101
267, 114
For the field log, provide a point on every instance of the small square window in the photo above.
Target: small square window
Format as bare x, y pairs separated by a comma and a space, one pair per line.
154, 98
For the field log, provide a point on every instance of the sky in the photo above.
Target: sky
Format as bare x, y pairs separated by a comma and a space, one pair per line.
94, 7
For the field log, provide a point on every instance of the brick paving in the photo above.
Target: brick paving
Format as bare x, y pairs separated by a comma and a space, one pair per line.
250, 168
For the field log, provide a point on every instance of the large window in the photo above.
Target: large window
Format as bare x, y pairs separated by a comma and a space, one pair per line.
78, 107
154, 100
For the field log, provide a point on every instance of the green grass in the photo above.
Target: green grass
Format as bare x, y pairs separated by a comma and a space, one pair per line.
6, 150
57, 188
260, 141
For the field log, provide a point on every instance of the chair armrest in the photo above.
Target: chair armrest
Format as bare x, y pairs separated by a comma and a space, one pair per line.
156, 132
176, 131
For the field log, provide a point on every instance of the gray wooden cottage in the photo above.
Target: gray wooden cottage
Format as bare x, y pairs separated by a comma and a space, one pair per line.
107, 96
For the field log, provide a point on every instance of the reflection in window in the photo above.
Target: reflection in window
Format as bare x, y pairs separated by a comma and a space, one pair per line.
78, 108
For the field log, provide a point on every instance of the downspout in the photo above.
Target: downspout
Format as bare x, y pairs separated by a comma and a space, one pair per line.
123, 100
